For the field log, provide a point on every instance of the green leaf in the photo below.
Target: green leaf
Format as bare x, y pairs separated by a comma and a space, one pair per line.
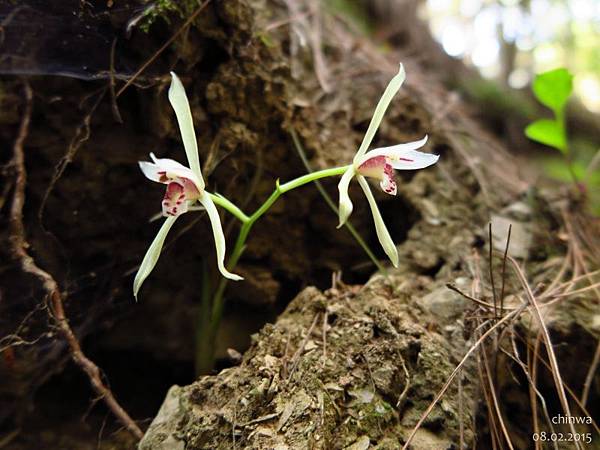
548, 132
553, 88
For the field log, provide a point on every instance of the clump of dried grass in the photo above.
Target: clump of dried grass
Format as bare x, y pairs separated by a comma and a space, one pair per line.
497, 320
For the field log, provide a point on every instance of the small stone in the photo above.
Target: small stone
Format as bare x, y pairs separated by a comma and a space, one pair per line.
362, 395
159, 435
310, 345
519, 210
362, 443
234, 356
520, 236
443, 303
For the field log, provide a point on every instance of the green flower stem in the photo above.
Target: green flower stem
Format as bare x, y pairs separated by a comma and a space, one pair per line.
355, 234
309, 177
206, 336
229, 206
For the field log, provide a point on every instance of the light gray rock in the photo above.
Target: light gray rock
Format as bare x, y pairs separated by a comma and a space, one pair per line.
520, 236
443, 303
159, 435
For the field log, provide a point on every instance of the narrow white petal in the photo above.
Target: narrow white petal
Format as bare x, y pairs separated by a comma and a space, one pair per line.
395, 149
168, 163
390, 91
382, 232
215, 222
151, 256
404, 156
172, 168
345, 205
181, 106
413, 160
150, 170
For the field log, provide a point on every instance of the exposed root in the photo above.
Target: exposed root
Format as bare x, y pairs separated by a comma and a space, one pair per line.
19, 244
82, 134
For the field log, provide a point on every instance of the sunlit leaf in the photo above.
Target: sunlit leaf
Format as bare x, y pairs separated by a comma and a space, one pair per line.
553, 88
548, 132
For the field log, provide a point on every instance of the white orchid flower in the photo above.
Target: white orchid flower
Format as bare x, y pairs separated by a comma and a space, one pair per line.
185, 186
380, 164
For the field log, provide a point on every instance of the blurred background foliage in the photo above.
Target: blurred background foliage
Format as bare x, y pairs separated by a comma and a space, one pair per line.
492, 51
509, 41
512, 40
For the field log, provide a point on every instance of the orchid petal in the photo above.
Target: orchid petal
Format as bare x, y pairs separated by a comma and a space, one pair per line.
390, 91
180, 104
345, 205
215, 222
151, 256
404, 156
151, 171
382, 232
395, 149
413, 160
163, 170
168, 163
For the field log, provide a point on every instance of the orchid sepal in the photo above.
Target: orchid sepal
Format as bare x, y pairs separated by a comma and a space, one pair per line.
380, 228
152, 255
219, 237
345, 205
390, 91
181, 106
